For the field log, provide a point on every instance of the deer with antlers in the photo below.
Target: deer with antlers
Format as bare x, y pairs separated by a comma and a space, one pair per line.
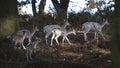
94, 26
48, 29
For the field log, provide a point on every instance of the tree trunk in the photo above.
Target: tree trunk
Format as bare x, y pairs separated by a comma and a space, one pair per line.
41, 6
33, 7
61, 9
116, 37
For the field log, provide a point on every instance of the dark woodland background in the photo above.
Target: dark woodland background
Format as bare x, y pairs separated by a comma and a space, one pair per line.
11, 22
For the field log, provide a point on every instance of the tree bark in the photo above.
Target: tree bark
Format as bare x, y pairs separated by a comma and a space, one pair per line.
116, 36
61, 9
34, 7
41, 6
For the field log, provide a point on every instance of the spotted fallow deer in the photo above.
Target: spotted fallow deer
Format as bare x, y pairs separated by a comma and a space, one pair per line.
56, 33
29, 33
48, 29
32, 48
94, 26
19, 39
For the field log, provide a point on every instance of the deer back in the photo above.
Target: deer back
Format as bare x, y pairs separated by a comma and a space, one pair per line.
49, 28
18, 38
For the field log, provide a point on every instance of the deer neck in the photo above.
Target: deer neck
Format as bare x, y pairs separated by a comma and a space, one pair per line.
64, 26
70, 32
103, 24
32, 32
24, 36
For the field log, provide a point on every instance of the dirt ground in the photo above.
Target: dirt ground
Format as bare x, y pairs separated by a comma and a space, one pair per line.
95, 53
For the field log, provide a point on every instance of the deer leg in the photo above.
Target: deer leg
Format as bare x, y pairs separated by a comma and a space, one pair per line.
85, 33
102, 35
27, 53
15, 43
23, 46
63, 40
46, 36
68, 40
95, 36
85, 36
56, 38
30, 54
53, 36
29, 39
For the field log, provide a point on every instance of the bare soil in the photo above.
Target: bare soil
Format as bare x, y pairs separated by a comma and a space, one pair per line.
90, 54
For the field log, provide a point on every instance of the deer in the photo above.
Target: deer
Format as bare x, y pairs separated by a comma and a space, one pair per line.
94, 26
19, 39
56, 33
32, 48
29, 33
48, 29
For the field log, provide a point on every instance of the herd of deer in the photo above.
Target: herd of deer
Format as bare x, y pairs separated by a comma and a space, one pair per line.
56, 31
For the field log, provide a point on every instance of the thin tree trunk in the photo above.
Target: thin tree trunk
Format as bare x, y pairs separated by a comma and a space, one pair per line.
116, 37
61, 9
41, 6
34, 7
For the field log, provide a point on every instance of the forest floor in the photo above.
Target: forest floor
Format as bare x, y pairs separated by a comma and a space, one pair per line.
93, 54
